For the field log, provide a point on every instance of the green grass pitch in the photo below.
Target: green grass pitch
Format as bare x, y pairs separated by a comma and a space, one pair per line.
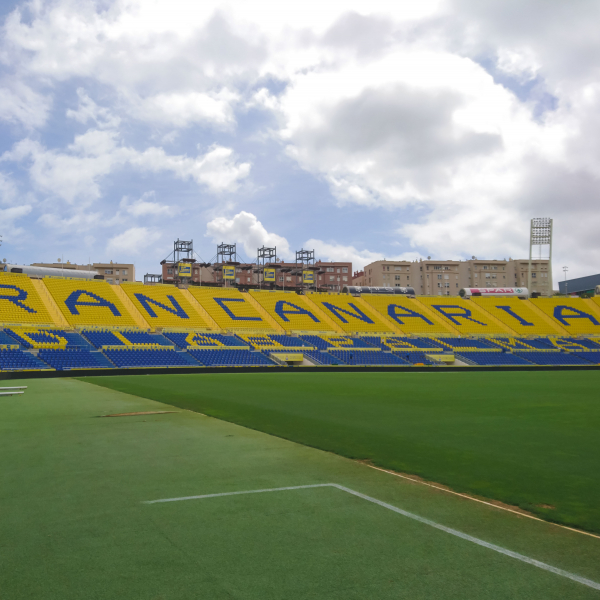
74, 523
527, 439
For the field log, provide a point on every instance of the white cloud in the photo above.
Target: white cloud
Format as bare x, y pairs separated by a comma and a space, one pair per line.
145, 206
88, 110
359, 258
246, 229
184, 109
20, 104
133, 241
75, 175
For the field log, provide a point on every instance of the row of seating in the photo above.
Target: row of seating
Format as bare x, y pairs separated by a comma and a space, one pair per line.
96, 303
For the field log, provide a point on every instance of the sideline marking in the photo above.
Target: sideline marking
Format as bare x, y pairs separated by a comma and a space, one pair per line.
455, 532
467, 497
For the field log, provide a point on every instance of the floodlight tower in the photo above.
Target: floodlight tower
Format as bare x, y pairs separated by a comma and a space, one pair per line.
540, 235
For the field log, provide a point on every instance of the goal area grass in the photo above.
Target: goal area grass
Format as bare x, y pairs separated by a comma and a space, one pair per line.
528, 439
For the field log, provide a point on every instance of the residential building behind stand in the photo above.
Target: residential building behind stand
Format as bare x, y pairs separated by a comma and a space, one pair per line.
115, 273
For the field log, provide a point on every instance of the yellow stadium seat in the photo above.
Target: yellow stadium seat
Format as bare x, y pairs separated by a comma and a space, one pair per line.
407, 314
519, 315
163, 306
463, 316
345, 311
291, 311
229, 308
575, 315
89, 302
20, 301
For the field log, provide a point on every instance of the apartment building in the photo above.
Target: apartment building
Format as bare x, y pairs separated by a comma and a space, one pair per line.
358, 278
438, 277
115, 273
447, 277
389, 273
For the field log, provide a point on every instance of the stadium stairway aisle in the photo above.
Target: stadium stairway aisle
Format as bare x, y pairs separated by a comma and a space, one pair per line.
91, 302
408, 315
163, 306
230, 309
20, 302
293, 312
464, 316
575, 315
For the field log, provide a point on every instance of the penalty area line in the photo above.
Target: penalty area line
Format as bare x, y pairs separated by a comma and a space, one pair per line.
464, 536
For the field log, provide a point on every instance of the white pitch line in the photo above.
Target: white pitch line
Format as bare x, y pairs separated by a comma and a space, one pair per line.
454, 532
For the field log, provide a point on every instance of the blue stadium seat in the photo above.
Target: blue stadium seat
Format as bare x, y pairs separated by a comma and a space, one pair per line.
17, 360
552, 358
184, 339
593, 357
416, 358
464, 342
155, 357
75, 358
323, 358
290, 341
99, 338
74, 340
493, 359
368, 357
233, 358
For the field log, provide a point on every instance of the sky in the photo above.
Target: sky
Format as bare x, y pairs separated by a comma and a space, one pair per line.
362, 130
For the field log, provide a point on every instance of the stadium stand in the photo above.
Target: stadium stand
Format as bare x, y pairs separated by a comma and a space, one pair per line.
164, 306
203, 340
493, 359
292, 311
591, 357
400, 344
34, 337
8, 340
455, 344
100, 338
575, 315
17, 360
572, 344
464, 316
408, 315
347, 313
325, 342
552, 358
273, 341
366, 357
230, 309
75, 358
231, 358
323, 358
415, 358
519, 315
89, 302
521, 344
155, 357
20, 302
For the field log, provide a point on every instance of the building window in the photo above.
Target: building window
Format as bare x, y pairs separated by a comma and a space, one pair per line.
446, 276
124, 272
108, 271
288, 278
170, 271
446, 285
124, 279
397, 277
344, 269
330, 269
344, 278
439, 276
109, 280
332, 278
